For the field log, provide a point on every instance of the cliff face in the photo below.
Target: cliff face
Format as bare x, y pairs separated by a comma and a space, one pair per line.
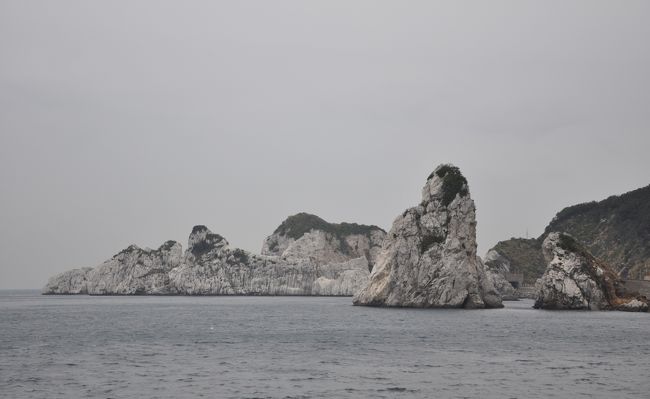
135, 271
429, 257
210, 267
305, 236
616, 230
495, 267
575, 279
73, 281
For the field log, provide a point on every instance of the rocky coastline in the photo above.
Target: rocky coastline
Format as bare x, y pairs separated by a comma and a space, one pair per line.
312, 262
428, 259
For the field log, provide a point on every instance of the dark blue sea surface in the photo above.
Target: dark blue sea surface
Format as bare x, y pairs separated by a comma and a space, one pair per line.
311, 347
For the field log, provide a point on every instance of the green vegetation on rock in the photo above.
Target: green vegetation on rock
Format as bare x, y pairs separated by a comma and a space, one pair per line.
525, 256
167, 245
198, 228
240, 255
205, 246
616, 230
570, 244
297, 225
429, 241
453, 183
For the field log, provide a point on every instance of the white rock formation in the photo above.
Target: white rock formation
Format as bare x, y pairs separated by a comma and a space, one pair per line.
304, 236
429, 257
210, 267
496, 266
73, 281
346, 277
136, 271
575, 279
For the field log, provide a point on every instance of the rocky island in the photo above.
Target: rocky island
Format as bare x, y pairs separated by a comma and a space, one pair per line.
304, 256
576, 280
429, 256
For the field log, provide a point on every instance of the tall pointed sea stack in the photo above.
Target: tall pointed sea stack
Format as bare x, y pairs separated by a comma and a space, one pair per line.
429, 256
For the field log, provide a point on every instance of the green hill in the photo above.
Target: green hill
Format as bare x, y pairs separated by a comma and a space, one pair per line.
616, 230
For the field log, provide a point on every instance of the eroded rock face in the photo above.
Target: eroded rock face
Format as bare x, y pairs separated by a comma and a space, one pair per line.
429, 256
218, 270
335, 278
71, 282
210, 267
496, 266
575, 280
305, 236
136, 271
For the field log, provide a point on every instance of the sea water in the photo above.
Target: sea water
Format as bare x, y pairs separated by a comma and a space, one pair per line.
312, 347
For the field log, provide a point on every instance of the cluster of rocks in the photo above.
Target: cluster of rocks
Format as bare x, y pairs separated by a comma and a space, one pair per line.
308, 265
427, 260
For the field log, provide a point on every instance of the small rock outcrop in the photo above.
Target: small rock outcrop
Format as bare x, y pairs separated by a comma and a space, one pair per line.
306, 236
575, 280
496, 266
71, 282
429, 256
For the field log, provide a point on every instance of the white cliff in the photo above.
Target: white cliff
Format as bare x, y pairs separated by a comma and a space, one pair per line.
429, 256
305, 236
73, 281
210, 267
348, 277
496, 266
575, 280
136, 271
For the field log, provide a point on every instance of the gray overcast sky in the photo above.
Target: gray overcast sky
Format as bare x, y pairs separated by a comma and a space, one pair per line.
130, 121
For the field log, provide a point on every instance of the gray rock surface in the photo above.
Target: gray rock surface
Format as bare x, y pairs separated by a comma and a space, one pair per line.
136, 271
496, 266
306, 236
210, 267
73, 281
429, 257
575, 280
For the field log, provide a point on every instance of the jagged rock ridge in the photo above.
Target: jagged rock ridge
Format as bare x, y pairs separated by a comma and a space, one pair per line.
429, 256
210, 267
575, 279
219, 270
